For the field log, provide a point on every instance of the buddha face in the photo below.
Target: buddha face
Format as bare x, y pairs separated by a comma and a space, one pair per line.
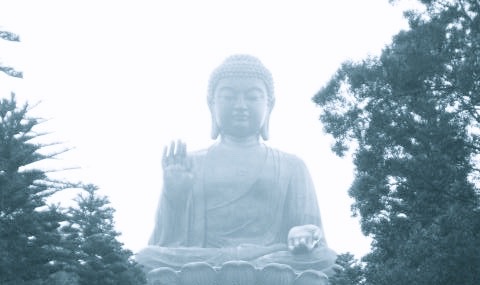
240, 106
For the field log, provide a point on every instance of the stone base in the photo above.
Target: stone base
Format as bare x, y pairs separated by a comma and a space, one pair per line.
235, 273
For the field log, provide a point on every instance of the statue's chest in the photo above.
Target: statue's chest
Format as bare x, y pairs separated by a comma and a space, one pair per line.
231, 166
232, 176
234, 171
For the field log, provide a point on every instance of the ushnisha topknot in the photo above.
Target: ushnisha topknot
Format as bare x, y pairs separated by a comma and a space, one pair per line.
241, 65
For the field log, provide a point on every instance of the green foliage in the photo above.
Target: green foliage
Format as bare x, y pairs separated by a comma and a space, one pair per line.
41, 243
352, 273
28, 226
92, 238
412, 115
9, 36
34, 248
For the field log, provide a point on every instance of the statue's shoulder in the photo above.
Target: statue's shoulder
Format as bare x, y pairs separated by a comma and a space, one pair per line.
286, 157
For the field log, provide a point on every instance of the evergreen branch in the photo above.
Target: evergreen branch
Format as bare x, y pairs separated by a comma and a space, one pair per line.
9, 36
11, 72
62, 169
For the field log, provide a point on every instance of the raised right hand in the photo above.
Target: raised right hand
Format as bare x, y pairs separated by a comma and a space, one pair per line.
177, 167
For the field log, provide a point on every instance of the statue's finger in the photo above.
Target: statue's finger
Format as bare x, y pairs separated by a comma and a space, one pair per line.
182, 152
302, 240
185, 154
186, 161
296, 242
176, 146
171, 154
317, 234
309, 242
179, 153
164, 156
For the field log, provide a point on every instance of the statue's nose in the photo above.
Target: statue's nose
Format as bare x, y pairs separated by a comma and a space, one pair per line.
240, 102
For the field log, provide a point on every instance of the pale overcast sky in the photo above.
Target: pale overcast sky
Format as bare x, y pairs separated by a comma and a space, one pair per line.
118, 80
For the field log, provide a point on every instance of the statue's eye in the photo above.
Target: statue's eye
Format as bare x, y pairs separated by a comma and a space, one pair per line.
226, 95
254, 95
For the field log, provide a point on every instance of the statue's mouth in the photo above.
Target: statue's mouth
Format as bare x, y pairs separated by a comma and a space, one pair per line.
240, 117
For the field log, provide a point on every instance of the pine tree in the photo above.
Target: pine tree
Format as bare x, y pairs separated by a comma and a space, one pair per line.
29, 239
34, 247
352, 272
412, 114
100, 257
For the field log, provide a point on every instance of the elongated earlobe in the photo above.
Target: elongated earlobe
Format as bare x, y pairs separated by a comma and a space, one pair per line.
264, 132
215, 129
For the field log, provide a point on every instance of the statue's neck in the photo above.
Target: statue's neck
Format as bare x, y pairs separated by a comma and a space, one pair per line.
240, 142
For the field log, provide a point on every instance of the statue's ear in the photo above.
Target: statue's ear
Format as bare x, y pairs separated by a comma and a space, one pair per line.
265, 131
215, 130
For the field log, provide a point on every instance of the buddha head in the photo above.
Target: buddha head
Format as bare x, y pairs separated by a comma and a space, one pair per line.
241, 98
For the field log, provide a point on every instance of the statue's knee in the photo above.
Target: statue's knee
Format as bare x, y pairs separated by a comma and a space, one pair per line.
162, 276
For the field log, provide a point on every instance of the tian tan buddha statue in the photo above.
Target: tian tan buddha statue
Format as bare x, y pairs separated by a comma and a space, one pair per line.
239, 199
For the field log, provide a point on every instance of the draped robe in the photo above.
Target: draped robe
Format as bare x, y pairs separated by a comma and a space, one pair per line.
241, 207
